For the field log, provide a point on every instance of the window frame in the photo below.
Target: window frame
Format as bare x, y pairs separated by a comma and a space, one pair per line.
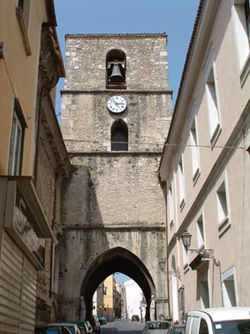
195, 153
212, 98
201, 239
185, 257
16, 148
241, 36
223, 223
224, 277
171, 202
181, 182
23, 15
202, 275
119, 124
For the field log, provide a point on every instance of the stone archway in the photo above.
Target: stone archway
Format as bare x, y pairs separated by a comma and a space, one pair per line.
117, 260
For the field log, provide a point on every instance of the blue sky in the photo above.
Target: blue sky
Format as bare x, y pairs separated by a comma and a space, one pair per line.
175, 17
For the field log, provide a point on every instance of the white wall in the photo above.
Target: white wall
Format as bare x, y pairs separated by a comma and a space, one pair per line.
133, 297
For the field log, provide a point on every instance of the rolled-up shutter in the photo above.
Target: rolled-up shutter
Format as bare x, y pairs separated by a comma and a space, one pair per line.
17, 290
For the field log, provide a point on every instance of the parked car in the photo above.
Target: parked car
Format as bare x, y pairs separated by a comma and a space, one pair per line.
96, 324
233, 320
73, 327
90, 329
103, 320
156, 327
177, 329
82, 326
52, 330
135, 317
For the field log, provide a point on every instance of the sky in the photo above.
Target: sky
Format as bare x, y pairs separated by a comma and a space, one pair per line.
175, 17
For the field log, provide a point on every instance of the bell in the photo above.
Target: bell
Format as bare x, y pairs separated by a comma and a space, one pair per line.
116, 75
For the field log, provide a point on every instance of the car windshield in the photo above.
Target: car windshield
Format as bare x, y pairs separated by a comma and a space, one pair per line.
232, 327
158, 325
71, 329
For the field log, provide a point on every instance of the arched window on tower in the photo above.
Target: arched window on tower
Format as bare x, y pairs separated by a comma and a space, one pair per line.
116, 69
119, 136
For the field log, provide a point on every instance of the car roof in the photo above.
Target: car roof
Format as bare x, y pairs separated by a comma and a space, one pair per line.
225, 313
62, 324
150, 321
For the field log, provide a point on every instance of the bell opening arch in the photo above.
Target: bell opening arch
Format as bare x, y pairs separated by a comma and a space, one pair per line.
117, 260
116, 69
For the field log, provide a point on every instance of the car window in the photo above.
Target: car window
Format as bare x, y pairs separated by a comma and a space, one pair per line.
232, 327
71, 329
158, 325
53, 331
203, 327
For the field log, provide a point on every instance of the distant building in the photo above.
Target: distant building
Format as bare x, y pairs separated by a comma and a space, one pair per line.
98, 302
205, 165
134, 299
117, 301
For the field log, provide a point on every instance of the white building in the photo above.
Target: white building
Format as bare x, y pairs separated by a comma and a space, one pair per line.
133, 299
205, 166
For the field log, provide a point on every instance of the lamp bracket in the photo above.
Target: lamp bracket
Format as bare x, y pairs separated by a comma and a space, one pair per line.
205, 253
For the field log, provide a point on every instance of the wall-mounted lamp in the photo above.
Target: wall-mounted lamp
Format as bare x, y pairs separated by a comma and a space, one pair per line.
204, 252
162, 265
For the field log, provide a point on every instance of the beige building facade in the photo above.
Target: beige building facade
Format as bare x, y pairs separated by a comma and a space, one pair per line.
33, 163
109, 297
205, 165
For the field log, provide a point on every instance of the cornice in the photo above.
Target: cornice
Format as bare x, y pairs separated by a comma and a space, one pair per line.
116, 91
117, 227
111, 153
125, 35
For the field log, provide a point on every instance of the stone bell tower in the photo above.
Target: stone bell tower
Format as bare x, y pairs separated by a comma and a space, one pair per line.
116, 111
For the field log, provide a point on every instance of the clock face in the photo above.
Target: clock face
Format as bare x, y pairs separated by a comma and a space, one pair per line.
117, 104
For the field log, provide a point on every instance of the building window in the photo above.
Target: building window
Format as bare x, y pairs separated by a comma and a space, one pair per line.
222, 208
204, 289
229, 290
194, 152
200, 232
171, 203
247, 15
213, 110
22, 14
116, 70
119, 136
185, 257
16, 141
241, 16
24, 5
181, 183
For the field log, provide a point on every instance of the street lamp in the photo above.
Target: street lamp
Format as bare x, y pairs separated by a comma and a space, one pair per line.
207, 253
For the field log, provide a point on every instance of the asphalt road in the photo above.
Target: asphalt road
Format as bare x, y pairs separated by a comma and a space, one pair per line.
122, 327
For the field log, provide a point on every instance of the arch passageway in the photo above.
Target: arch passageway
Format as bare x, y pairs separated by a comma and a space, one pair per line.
117, 260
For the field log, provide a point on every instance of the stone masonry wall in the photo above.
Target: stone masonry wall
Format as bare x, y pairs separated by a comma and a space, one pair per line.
113, 199
86, 122
114, 190
146, 60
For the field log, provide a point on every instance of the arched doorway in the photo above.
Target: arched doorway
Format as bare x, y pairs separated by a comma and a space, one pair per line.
117, 260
